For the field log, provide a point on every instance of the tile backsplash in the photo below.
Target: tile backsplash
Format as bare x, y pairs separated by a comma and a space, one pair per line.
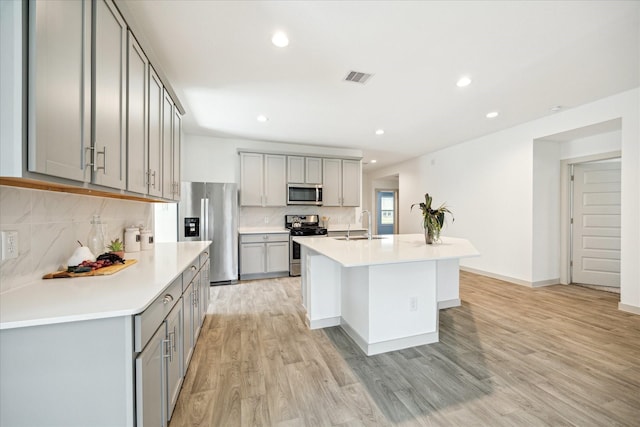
49, 224
274, 217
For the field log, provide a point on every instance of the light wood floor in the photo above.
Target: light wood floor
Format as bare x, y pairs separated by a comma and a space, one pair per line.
509, 356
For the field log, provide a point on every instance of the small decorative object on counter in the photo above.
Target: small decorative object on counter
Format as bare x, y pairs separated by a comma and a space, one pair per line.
432, 219
95, 241
116, 247
82, 253
325, 221
132, 239
146, 240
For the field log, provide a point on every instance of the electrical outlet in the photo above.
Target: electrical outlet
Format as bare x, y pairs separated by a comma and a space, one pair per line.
9, 244
413, 304
266, 220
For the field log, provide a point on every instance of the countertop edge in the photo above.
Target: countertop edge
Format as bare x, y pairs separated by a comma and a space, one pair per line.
143, 298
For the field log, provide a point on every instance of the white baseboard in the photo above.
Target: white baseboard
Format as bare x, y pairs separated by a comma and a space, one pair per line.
323, 323
449, 303
513, 280
629, 308
390, 345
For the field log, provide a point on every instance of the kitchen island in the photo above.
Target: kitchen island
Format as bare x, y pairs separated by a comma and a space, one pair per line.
385, 292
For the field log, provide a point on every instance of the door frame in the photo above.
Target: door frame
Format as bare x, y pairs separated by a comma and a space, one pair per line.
566, 208
396, 217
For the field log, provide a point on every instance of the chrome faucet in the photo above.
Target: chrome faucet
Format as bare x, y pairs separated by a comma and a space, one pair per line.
348, 230
368, 223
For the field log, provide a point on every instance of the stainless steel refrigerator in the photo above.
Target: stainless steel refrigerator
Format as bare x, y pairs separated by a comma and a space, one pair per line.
209, 211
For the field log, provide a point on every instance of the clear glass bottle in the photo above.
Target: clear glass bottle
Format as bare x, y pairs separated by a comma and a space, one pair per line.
95, 241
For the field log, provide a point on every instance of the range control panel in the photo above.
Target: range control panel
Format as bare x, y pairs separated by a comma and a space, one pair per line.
192, 227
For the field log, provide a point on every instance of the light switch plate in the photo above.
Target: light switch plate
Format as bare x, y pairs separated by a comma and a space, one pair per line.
9, 244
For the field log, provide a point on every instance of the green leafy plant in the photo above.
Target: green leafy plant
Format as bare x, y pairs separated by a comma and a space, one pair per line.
116, 245
432, 219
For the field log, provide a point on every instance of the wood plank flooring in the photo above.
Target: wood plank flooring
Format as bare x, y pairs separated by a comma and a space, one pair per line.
509, 356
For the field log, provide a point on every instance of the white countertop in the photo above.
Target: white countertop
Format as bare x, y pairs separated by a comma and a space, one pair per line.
391, 249
124, 293
261, 230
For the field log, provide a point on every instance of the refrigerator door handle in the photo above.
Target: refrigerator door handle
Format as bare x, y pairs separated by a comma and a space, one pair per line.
203, 219
206, 234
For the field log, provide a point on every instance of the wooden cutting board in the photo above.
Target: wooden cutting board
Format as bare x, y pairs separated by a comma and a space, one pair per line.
104, 271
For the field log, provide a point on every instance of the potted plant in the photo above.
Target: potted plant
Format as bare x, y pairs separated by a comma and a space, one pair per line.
116, 247
432, 219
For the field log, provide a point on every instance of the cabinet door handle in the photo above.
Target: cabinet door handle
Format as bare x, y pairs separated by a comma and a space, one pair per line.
172, 339
167, 299
166, 349
91, 150
154, 179
104, 160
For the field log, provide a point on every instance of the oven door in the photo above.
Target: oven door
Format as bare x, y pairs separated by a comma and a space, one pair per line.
294, 257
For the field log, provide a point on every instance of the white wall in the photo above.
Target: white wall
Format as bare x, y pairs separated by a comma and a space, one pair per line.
488, 183
213, 159
546, 212
595, 144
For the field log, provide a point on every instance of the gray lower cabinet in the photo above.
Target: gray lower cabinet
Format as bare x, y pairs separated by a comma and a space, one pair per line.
264, 255
119, 371
159, 372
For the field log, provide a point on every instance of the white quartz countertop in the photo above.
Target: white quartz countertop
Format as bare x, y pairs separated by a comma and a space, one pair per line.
262, 230
125, 293
390, 249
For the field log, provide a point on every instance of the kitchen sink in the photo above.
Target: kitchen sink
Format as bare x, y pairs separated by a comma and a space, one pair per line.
359, 238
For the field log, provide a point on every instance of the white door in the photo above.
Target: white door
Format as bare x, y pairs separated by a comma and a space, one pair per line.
596, 224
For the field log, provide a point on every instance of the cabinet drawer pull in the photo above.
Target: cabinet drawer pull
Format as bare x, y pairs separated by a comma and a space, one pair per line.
194, 268
167, 299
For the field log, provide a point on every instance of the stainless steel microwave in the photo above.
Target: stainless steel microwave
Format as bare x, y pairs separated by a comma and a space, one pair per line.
304, 194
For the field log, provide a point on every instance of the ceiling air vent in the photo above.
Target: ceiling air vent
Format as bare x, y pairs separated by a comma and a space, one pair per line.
357, 77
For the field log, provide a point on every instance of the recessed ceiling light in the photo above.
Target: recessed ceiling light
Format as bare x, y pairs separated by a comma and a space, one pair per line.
374, 161
380, 132
262, 118
463, 82
280, 39
492, 115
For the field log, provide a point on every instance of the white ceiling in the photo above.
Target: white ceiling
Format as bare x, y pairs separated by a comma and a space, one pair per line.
523, 58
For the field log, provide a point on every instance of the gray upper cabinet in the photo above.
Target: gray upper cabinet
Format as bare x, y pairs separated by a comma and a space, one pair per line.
304, 170
341, 185
98, 112
313, 170
175, 159
137, 113
60, 88
168, 187
295, 169
263, 179
109, 96
155, 133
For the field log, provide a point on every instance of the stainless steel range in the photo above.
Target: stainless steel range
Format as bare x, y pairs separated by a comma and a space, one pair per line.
300, 225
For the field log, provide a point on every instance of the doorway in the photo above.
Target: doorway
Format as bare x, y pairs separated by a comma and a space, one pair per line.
595, 218
386, 211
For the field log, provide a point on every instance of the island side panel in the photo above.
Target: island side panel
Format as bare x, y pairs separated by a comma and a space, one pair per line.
355, 304
402, 300
448, 271
322, 278
68, 374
